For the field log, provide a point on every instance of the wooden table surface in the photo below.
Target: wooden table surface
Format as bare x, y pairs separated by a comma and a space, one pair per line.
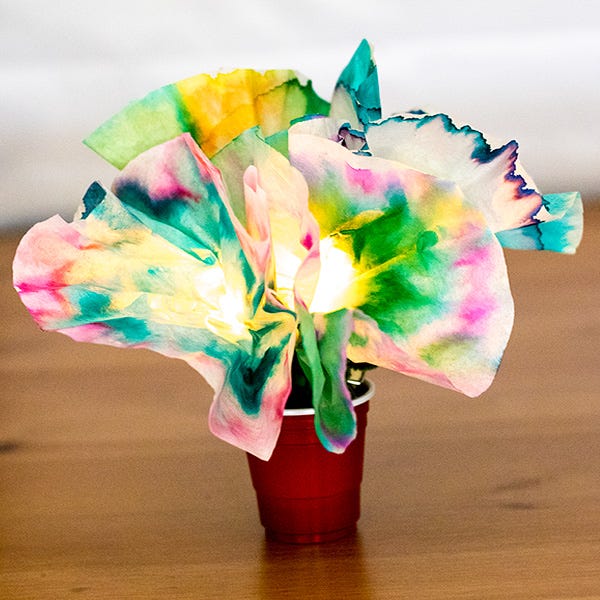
112, 487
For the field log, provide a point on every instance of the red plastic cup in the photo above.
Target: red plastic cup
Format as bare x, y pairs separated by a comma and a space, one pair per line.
305, 493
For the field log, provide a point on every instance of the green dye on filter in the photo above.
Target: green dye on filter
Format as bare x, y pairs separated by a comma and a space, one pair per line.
90, 303
134, 331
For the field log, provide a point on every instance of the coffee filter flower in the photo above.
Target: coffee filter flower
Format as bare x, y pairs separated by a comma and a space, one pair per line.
253, 223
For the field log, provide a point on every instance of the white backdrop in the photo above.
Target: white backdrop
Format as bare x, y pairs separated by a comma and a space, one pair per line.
522, 69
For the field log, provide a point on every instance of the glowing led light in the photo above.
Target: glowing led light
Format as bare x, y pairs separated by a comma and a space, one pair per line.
335, 277
224, 308
286, 267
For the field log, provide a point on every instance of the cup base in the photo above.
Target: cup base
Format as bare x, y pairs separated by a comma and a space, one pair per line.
310, 520
309, 538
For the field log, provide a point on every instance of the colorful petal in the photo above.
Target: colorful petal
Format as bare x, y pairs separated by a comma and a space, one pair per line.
335, 420
307, 352
213, 109
491, 179
420, 267
118, 277
294, 231
258, 226
562, 231
177, 192
321, 353
356, 96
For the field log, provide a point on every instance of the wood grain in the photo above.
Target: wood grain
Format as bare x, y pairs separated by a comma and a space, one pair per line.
111, 486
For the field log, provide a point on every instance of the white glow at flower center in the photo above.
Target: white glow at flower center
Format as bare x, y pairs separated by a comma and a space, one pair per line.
335, 278
224, 305
286, 267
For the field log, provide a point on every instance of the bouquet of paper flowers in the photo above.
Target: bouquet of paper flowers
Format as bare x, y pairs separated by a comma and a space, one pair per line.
254, 226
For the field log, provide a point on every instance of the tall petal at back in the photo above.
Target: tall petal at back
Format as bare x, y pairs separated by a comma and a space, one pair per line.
356, 95
213, 109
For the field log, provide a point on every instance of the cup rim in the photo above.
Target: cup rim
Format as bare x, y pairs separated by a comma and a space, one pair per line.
300, 412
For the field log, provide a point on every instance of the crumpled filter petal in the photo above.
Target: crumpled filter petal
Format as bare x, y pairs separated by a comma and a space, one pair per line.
161, 266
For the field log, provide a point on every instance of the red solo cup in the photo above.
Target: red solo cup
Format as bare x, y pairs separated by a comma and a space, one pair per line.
305, 493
